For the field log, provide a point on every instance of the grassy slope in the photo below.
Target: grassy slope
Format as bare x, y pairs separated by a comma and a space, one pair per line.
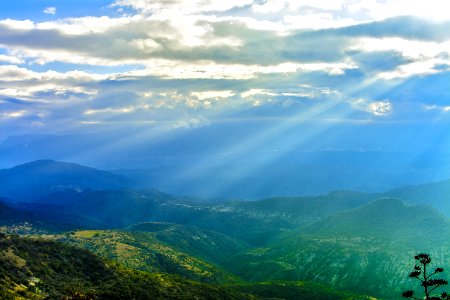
365, 250
38, 269
296, 290
43, 269
206, 244
143, 251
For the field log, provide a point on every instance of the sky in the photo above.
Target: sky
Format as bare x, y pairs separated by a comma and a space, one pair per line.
359, 74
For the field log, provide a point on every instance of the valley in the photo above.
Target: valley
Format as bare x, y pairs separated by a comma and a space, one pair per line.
334, 246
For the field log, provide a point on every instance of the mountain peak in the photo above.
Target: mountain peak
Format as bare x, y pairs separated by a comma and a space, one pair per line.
36, 179
49, 163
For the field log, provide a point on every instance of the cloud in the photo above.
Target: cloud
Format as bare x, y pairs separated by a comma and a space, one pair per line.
380, 108
10, 59
419, 68
212, 94
138, 40
158, 61
437, 107
376, 108
420, 57
12, 73
12, 114
51, 10
210, 70
190, 123
27, 85
17, 24
254, 92
412, 49
109, 110
85, 25
186, 6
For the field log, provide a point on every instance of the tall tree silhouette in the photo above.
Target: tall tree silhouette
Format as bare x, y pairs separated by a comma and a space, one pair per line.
428, 283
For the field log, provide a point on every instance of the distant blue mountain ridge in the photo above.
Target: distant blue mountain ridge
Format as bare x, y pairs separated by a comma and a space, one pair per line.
219, 167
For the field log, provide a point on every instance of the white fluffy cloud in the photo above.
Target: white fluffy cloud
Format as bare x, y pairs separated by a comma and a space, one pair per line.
380, 108
51, 10
18, 24
421, 57
204, 54
28, 85
414, 49
10, 59
11, 73
85, 25
418, 68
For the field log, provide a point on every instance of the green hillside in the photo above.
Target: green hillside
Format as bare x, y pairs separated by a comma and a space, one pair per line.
38, 269
365, 250
275, 248
144, 251
34, 268
206, 244
296, 290
255, 222
388, 221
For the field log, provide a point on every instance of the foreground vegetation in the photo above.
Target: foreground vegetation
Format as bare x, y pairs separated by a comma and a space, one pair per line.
42, 269
34, 268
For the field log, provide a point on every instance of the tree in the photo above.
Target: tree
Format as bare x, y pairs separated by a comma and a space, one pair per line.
429, 284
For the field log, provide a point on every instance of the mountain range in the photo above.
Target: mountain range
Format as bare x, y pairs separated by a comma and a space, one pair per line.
363, 243
177, 166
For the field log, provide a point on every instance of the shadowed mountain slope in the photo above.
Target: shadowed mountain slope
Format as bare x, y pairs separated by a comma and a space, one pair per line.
256, 222
435, 194
36, 179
